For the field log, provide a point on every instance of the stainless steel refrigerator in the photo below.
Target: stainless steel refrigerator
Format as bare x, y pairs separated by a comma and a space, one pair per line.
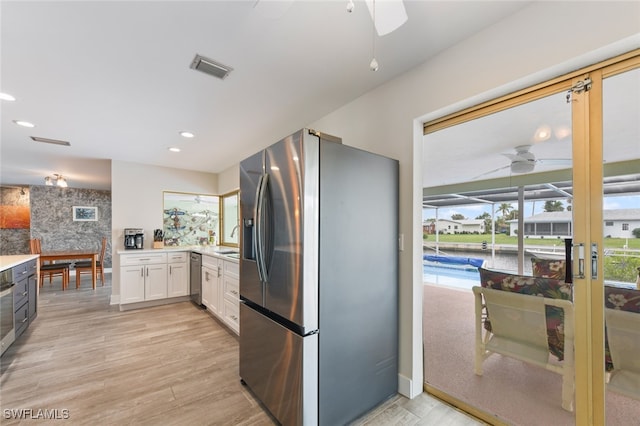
319, 279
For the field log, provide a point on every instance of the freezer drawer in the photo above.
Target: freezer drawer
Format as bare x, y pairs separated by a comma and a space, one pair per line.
280, 367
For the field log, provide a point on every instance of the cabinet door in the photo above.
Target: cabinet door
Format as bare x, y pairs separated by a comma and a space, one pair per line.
132, 284
210, 288
178, 281
155, 282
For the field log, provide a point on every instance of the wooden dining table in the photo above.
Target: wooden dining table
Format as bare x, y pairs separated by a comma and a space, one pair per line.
55, 255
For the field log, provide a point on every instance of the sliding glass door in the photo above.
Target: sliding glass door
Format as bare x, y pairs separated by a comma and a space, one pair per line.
621, 240
541, 168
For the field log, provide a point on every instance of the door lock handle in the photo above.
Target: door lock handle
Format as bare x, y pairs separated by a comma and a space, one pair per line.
580, 259
594, 261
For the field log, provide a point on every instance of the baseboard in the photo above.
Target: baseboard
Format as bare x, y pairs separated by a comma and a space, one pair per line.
406, 388
115, 299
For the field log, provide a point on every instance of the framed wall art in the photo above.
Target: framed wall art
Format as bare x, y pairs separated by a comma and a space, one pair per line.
85, 214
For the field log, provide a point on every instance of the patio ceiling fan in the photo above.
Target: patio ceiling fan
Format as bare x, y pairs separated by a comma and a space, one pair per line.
525, 161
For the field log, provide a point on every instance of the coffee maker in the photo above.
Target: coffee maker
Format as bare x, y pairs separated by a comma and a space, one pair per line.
133, 238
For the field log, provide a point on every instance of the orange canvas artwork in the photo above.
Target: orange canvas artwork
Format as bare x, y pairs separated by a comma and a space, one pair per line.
15, 217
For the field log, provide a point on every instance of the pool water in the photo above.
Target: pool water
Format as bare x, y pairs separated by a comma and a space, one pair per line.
458, 278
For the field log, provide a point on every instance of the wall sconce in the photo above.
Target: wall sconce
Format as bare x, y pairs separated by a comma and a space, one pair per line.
57, 180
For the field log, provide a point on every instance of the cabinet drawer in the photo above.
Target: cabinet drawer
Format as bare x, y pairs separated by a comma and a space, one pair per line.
231, 316
177, 257
231, 269
142, 259
24, 270
22, 319
231, 289
210, 261
20, 293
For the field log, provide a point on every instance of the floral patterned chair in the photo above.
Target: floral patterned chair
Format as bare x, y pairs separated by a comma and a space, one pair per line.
622, 299
538, 286
548, 268
521, 322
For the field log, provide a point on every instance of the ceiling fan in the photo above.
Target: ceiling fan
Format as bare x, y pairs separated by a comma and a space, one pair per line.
525, 161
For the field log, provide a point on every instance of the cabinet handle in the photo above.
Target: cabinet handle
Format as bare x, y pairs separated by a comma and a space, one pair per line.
25, 293
147, 271
25, 320
234, 292
142, 271
233, 317
24, 272
170, 270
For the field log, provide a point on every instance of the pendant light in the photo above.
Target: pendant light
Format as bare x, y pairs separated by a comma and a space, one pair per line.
373, 65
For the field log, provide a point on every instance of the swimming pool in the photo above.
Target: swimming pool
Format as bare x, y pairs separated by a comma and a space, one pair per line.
450, 277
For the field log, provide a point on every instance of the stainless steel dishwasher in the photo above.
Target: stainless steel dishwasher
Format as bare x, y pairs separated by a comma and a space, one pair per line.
196, 278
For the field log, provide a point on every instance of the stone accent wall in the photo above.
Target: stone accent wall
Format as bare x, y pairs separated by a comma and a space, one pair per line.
52, 219
14, 241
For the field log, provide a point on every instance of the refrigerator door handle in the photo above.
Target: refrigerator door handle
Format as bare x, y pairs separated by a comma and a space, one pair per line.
259, 215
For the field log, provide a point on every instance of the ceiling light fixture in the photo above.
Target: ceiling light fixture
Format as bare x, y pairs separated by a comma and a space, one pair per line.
174, 149
391, 15
57, 180
373, 65
350, 6
187, 134
7, 97
24, 123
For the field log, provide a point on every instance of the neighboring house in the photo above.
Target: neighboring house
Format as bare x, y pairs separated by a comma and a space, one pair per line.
450, 226
617, 224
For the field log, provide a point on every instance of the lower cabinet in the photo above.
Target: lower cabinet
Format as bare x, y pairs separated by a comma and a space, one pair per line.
24, 295
143, 277
178, 275
220, 290
231, 291
211, 272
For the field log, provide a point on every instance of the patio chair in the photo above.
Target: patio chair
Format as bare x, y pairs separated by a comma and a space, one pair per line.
623, 333
518, 330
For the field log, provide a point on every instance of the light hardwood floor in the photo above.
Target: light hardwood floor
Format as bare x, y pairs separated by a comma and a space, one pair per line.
169, 365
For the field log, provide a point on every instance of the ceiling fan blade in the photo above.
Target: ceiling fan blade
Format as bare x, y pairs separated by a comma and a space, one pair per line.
492, 171
555, 161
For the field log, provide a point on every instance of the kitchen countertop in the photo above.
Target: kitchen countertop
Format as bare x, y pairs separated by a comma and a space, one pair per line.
221, 251
10, 261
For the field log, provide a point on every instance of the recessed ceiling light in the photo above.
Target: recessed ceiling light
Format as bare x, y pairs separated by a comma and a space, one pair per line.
174, 149
187, 134
7, 97
24, 123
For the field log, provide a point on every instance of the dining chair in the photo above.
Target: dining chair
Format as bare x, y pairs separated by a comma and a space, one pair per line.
85, 266
50, 269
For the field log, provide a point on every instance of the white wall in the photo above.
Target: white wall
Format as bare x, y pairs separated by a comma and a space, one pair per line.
229, 179
137, 201
544, 40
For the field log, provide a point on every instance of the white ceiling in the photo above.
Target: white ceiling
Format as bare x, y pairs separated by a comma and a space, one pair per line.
113, 77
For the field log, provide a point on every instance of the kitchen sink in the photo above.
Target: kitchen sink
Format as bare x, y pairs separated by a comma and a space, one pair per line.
234, 255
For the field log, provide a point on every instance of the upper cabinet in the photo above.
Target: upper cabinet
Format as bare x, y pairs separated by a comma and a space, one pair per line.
229, 219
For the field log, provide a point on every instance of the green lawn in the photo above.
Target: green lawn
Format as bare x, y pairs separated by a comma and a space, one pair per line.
613, 243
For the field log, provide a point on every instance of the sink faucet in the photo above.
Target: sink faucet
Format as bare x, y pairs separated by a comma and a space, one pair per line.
233, 231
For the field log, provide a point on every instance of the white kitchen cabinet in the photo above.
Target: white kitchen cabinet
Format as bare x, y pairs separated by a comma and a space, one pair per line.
178, 274
143, 276
155, 282
231, 292
220, 289
211, 272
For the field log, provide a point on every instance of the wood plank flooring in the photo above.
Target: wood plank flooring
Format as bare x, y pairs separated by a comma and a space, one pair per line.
170, 365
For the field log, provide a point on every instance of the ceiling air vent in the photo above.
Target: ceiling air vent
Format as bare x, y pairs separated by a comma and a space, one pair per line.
210, 67
53, 141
